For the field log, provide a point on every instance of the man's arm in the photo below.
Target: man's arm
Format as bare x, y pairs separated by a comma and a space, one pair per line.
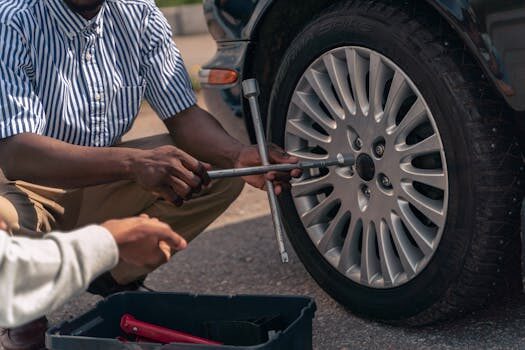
43, 160
201, 135
198, 133
46, 161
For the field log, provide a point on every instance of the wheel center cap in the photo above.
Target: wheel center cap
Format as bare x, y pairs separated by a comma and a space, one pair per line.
365, 167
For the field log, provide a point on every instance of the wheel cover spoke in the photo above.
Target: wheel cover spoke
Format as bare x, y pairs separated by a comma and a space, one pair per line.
369, 262
310, 186
306, 132
338, 72
317, 214
379, 75
358, 68
379, 227
333, 234
322, 86
399, 90
430, 145
390, 264
309, 103
432, 177
350, 255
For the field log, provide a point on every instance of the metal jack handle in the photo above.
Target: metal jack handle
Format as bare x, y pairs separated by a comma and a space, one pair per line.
251, 92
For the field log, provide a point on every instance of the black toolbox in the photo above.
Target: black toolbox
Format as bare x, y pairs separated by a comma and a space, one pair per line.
240, 322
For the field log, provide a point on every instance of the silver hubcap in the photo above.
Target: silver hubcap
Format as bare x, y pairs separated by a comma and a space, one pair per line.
380, 222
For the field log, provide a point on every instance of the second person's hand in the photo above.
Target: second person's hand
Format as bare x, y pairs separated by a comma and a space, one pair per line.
144, 242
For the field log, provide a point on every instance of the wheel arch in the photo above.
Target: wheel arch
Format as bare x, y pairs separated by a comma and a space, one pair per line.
267, 50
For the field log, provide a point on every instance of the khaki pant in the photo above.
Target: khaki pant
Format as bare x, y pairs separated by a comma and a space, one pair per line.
32, 210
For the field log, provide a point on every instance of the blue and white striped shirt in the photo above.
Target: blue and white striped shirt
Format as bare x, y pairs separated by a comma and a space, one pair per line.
82, 81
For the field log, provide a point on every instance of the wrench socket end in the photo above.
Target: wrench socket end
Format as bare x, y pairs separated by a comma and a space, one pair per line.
250, 88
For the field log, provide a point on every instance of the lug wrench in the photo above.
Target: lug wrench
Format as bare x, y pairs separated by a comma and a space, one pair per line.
339, 160
250, 89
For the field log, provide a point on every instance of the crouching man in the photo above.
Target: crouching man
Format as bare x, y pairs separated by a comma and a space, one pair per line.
72, 77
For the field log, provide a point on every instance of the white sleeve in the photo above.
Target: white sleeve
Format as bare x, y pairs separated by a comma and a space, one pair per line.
39, 275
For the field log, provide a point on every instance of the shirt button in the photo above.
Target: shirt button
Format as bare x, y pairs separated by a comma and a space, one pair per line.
88, 57
98, 97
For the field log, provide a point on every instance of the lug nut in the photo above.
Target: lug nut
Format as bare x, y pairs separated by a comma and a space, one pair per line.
379, 150
385, 181
358, 143
366, 191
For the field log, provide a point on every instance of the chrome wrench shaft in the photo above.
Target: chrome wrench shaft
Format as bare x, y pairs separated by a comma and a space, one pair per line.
250, 89
340, 161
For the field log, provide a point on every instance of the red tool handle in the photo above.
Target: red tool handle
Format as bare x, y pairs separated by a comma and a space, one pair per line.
130, 325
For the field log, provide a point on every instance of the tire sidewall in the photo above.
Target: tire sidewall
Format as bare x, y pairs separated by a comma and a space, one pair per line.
370, 30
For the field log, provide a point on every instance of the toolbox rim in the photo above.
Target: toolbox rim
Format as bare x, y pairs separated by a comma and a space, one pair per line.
307, 312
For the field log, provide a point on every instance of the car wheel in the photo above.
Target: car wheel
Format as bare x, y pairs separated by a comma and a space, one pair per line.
419, 229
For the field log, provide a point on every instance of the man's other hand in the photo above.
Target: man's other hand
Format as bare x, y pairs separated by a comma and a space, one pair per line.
249, 156
170, 172
144, 242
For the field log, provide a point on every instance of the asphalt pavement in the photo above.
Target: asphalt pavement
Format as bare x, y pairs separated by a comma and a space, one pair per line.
238, 255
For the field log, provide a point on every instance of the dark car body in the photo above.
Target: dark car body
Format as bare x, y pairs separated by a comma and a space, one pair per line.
252, 36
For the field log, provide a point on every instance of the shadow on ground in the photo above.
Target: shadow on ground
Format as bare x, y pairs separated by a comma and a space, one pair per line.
242, 258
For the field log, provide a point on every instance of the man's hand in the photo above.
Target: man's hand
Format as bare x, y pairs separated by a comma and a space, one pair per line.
170, 172
144, 242
249, 156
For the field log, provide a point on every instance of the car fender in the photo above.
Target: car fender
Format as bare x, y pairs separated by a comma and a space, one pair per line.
483, 25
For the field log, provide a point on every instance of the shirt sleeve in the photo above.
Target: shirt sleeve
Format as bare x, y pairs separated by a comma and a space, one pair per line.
20, 108
168, 85
39, 275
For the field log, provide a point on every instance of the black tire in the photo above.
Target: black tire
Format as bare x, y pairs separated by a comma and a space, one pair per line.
478, 255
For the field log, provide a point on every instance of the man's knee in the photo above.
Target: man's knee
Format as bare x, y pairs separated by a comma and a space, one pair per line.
8, 214
18, 212
230, 189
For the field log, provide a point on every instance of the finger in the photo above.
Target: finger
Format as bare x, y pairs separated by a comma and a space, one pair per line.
278, 155
144, 216
3, 225
166, 249
180, 187
278, 176
159, 258
296, 173
193, 176
277, 189
207, 166
285, 186
163, 232
175, 243
159, 254
190, 178
195, 166
202, 172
